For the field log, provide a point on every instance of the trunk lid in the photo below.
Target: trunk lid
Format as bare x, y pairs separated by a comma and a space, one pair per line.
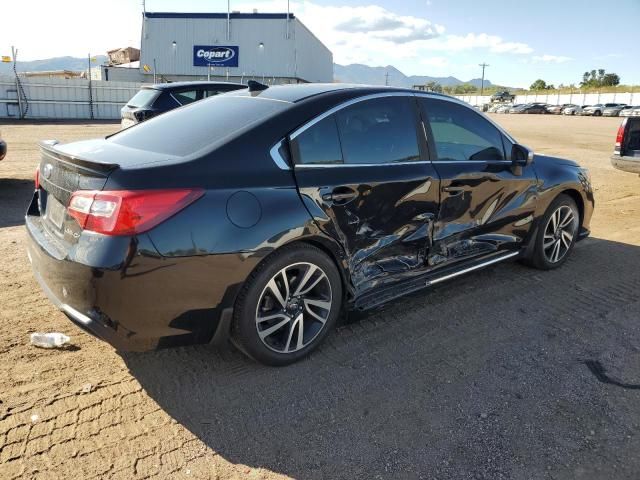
60, 174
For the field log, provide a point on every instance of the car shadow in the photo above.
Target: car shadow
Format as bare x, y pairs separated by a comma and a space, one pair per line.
481, 377
15, 195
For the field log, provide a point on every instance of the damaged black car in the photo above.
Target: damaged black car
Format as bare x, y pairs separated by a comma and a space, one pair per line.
261, 215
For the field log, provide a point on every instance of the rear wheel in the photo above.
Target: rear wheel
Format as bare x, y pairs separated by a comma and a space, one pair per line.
288, 305
557, 236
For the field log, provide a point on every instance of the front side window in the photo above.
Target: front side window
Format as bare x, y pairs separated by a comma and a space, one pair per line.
378, 131
318, 144
461, 134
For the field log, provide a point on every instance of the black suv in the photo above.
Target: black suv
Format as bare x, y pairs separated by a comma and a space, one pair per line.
153, 100
503, 97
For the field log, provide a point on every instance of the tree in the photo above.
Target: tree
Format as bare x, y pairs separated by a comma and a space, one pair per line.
433, 87
610, 80
599, 78
539, 85
464, 88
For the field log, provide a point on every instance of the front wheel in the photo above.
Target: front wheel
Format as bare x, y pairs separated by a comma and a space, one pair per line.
556, 238
288, 305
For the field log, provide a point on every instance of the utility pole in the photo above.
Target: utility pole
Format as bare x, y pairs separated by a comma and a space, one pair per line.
90, 86
386, 79
483, 65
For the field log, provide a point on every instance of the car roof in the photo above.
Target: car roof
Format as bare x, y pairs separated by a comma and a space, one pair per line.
297, 92
196, 84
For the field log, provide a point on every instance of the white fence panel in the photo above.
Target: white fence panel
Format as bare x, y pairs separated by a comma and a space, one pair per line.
65, 99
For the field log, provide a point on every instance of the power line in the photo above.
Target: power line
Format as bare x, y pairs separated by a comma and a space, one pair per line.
386, 79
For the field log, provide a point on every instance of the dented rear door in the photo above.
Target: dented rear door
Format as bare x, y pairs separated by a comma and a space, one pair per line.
364, 173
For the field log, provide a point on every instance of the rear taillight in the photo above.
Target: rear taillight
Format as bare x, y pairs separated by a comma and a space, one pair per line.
620, 135
128, 212
36, 178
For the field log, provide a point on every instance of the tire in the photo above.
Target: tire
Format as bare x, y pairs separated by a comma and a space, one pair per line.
597, 113
543, 255
279, 328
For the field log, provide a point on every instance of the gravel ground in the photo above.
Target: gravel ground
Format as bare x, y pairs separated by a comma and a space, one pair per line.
508, 373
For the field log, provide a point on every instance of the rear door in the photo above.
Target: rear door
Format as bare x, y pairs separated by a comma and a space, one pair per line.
365, 168
486, 204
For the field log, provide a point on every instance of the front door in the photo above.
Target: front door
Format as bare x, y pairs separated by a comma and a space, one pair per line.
366, 168
486, 204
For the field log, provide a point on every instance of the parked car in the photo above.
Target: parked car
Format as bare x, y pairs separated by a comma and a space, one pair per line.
626, 153
3, 148
530, 108
494, 108
504, 108
262, 214
630, 111
573, 109
557, 109
515, 107
503, 97
615, 111
597, 109
153, 100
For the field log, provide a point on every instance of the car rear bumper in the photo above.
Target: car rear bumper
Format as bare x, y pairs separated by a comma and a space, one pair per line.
626, 164
125, 293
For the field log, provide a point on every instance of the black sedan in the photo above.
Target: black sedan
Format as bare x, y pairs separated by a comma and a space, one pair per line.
530, 108
260, 215
155, 99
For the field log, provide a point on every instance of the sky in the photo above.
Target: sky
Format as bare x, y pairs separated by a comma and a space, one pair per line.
556, 40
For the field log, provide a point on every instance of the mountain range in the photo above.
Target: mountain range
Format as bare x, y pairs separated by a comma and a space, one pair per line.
354, 73
57, 63
358, 73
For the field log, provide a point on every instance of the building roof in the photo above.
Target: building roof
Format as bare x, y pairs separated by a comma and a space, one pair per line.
232, 15
173, 85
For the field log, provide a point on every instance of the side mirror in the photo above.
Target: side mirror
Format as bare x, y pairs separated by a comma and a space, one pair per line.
521, 155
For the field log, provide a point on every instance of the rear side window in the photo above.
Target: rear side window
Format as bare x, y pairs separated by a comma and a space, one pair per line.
461, 134
186, 97
318, 144
165, 102
184, 131
144, 98
378, 131
212, 93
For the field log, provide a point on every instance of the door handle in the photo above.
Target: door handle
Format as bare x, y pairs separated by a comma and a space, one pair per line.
340, 195
454, 190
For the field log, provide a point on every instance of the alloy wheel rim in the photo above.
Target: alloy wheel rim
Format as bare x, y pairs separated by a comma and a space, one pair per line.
559, 233
293, 307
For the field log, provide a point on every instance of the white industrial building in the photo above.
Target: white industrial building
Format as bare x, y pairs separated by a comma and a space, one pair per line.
233, 46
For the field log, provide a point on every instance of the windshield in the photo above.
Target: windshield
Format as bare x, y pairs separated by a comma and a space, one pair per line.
144, 98
186, 130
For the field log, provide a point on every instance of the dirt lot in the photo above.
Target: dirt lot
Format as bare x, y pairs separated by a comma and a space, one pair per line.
509, 373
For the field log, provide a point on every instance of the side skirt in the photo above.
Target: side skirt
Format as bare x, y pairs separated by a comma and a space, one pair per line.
380, 296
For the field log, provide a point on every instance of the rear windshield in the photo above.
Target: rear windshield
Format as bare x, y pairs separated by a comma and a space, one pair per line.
144, 98
186, 130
